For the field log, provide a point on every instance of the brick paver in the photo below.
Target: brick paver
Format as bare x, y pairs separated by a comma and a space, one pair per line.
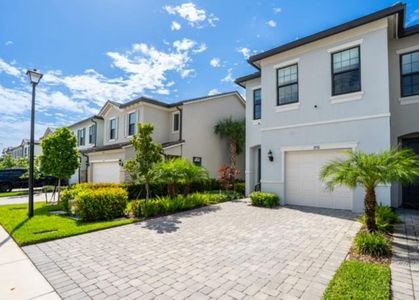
405, 260
227, 251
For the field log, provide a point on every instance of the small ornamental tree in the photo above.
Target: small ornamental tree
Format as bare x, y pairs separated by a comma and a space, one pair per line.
148, 154
235, 132
60, 157
228, 176
369, 170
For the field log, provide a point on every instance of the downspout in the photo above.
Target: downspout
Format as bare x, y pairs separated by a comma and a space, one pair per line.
180, 128
86, 156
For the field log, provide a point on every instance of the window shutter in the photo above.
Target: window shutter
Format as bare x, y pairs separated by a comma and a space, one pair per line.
116, 127
126, 121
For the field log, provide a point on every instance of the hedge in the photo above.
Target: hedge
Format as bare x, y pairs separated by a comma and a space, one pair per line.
264, 199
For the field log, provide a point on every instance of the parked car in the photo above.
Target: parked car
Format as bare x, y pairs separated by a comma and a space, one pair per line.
15, 178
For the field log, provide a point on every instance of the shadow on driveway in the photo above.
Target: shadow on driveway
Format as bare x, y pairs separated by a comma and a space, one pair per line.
170, 223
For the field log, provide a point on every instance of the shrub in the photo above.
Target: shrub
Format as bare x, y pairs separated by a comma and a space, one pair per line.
67, 197
240, 188
166, 205
385, 217
374, 244
264, 199
100, 204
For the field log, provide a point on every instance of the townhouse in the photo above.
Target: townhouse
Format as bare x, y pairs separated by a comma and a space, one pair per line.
353, 86
184, 129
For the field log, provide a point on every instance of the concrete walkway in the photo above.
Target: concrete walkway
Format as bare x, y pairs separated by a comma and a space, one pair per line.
24, 199
226, 251
405, 261
19, 277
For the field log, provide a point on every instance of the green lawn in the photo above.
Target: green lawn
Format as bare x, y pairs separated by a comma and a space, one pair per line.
360, 280
45, 226
11, 194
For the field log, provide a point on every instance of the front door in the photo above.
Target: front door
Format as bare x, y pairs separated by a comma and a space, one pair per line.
411, 191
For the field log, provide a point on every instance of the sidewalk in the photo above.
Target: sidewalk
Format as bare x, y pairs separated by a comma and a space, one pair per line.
23, 199
19, 277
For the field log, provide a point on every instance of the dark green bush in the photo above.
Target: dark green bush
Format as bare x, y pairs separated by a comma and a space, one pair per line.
166, 205
100, 204
373, 244
264, 199
240, 188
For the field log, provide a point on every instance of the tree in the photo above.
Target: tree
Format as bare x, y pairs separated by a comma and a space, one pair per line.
228, 177
369, 170
175, 172
7, 162
148, 154
235, 132
60, 157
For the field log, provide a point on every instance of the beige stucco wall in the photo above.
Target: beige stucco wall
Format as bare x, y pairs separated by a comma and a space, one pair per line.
199, 119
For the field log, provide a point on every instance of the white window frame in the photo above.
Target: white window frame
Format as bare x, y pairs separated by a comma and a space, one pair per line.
109, 129
94, 134
173, 122
136, 121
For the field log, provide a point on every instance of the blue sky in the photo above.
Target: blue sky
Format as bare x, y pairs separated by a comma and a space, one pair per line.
92, 51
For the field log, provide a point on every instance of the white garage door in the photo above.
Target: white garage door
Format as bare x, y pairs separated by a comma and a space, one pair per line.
303, 185
108, 172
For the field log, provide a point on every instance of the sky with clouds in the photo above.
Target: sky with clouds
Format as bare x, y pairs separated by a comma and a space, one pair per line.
92, 51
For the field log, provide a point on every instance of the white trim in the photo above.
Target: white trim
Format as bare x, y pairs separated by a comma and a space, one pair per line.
173, 146
257, 122
248, 172
173, 121
109, 129
104, 161
283, 150
345, 46
378, 116
287, 63
347, 97
272, 181
406, 50
256, 87
288, 107
127, 123
409, 100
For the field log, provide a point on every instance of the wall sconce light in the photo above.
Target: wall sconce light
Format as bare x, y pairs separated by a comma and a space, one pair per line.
270, 156
121, 163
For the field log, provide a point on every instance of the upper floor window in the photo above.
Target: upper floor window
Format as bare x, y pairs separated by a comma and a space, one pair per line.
132, 119
346, 71
92, 134
410, 74
287, 80
176, 122
81, 136
257, 104
112, 129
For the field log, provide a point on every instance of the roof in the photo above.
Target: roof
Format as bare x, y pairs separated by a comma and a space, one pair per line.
169, 105
124, 144
242, 79
87, 119
398, 9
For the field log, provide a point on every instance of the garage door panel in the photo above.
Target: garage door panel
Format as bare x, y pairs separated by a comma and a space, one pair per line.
302, 181
106, 172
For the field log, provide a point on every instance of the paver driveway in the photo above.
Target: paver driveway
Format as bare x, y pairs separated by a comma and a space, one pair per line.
227, 251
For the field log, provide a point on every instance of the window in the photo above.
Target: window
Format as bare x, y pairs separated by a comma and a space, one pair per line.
409, 69
112, 129
346, 71
287, 80
132, 119
92, 134
81, 136
176, 122
257, 104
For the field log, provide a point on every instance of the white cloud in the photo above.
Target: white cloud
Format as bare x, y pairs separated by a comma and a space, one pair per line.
213, 92
277, 10
271, 23
413, 17
229, 76
195, 16
203, 47
9, 69
184, 45
8, 43
215, 62
245, 51
175, 26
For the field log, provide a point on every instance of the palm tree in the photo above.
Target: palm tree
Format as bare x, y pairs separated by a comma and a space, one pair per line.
369, 170
235, 132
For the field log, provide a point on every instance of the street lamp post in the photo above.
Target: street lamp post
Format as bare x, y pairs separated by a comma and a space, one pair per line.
34, 78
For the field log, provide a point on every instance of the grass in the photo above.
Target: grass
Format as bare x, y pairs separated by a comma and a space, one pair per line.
45, 226
359, 280
11, 194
